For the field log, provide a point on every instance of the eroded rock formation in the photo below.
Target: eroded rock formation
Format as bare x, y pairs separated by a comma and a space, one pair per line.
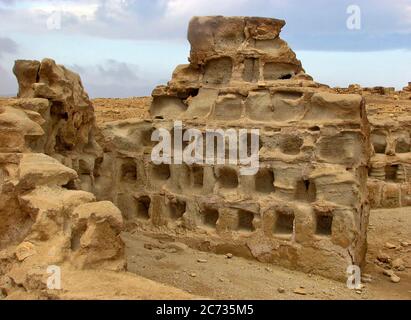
389, 173
42, 221
307, 206
390, 167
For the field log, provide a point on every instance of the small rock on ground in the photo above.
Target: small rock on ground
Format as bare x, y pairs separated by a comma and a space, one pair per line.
300, 291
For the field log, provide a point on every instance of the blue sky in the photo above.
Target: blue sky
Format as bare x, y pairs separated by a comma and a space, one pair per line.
126, 47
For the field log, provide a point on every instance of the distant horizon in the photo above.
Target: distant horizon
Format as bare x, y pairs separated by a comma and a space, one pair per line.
13, 95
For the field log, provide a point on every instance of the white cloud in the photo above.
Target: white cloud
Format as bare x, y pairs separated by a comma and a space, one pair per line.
184, 8
168, 19
114, 78
407, 20
7, 46
80, 10
8, 84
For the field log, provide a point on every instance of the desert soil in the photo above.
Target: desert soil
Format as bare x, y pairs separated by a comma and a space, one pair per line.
218, 277
114, 109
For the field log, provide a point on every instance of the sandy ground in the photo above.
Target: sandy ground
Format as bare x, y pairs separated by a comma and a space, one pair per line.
218, 277
120, 109
105, 285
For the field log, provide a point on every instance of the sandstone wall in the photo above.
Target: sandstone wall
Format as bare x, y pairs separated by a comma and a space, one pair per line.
306, 208
390, 167
389, 172
42, 221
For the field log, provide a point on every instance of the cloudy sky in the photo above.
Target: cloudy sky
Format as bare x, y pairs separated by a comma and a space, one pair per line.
126, 47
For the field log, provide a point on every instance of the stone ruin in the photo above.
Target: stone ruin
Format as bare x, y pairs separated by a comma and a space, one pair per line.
389, 180
389, 174
43, 220
306, 208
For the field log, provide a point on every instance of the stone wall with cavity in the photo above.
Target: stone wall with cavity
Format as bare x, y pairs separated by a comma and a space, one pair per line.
307, 206
389, 180
42, 222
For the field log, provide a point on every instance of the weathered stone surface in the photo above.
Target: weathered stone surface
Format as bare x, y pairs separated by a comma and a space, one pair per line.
306, 208
51, 124
39, 169
95, 235
389, 174
69, 116
17, 128
26, 72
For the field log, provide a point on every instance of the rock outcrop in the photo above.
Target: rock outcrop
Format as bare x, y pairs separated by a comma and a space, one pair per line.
306, 208
43, 222
389, 179
68, 121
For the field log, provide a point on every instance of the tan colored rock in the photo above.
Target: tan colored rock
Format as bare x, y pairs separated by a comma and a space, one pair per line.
38, 169
71, 110
16, 127
96, 235
302, 208
398, 264
103, 211
388, 273
300, 291
24, 250
383, 257
395, 279
36, 220
26, 72
389, 180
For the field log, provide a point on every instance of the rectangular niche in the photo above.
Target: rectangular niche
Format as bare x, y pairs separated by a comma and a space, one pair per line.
128, 170
245, 221
177, 208
291, 144
160, 172
98, 162
391, 172
251, 71
198, 176
145, 138
218, 71
84, 167
165, 107
403, 145
227, 178
284, 222
210, 217
143, 207
323, 223
264, 180
379, 141
306, 190
278, 71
